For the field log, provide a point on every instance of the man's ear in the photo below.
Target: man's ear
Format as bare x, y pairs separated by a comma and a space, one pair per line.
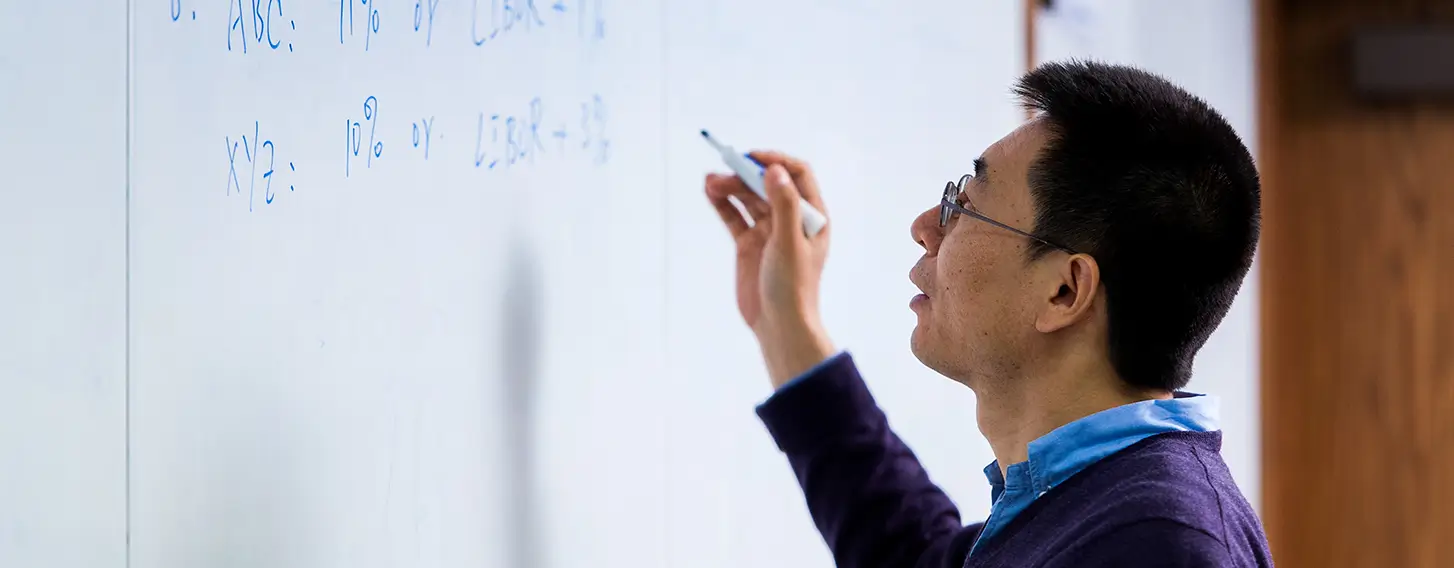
1071, 296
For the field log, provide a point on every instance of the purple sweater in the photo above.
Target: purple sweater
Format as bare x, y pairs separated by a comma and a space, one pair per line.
1167, 501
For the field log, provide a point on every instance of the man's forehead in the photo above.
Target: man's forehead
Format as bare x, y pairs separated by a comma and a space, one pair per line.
1006, 163
1018, 148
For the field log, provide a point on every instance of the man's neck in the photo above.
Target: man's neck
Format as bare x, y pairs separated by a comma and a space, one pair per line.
1014, 411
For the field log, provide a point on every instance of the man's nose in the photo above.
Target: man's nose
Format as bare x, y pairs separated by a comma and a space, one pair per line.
926, 231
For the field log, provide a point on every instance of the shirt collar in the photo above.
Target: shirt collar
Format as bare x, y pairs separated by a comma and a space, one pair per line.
1065, 451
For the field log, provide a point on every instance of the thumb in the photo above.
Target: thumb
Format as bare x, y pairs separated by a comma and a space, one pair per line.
783, 194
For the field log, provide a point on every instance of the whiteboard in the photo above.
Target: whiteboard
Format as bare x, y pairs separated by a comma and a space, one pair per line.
887, 101
331, 206
433, 283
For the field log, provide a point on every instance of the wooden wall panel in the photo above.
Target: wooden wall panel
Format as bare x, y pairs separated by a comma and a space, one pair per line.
1357, 276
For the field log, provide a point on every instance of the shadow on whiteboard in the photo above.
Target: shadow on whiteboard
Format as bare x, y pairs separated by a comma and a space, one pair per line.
520, 358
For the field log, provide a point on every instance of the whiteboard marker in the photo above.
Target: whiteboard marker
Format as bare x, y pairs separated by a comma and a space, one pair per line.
751, 173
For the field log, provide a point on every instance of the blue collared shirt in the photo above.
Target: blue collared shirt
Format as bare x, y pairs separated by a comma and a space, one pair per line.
1067, 450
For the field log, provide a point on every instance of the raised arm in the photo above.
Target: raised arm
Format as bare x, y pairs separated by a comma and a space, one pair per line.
870, 498
865, 489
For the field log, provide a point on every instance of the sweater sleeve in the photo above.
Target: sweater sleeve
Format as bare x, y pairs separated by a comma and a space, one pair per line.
866, 491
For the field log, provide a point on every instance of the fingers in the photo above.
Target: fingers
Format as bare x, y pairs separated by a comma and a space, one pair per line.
783, 194
731, 217
720, 188
800, 171
731, 185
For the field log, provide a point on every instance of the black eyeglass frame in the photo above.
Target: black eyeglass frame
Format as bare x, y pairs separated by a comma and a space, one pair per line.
949, 205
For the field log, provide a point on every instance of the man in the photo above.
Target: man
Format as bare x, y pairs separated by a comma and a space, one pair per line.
1069, 282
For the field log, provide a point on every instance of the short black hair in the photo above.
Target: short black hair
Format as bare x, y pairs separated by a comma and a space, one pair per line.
1155, 185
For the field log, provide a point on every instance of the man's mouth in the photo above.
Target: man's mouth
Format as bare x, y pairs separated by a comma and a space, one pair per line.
922, 297
915, 281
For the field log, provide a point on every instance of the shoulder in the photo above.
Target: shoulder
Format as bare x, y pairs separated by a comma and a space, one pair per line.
1174, 490
1159, 502
1168, 476
1150, 541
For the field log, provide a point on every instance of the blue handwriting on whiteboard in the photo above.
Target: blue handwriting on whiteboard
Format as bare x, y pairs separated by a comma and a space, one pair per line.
424, 17
423, 132
261, 19
522, 137
354, 137
519, 138
176, 6
593, 123
370, 20
480, 155
505, 16
253, 152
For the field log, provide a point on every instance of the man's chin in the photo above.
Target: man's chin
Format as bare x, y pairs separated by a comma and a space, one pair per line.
917, 343
922, 348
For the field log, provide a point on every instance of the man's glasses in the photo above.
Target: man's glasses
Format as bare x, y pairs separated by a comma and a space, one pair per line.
949, 206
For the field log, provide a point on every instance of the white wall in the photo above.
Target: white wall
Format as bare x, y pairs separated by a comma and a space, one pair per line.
63, 286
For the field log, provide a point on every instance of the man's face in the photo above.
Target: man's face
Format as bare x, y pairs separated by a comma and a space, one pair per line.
978, 307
